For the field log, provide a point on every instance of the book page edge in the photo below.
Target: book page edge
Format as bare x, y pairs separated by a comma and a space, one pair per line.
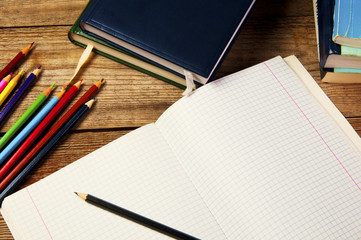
293, 62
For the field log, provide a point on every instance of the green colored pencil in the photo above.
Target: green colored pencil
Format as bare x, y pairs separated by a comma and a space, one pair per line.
27, 114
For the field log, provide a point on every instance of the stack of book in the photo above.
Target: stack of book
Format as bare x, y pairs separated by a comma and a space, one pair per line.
339, 40
175, 41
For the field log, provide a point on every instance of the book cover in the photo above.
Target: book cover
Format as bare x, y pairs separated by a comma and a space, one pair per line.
182, 35
327, 49
347, 21
78, 37
350, 51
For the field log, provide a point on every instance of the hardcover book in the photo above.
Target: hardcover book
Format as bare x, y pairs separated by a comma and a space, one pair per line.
347, 21
189, 38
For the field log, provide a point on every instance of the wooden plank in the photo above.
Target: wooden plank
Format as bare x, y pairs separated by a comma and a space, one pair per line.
4, 230
355, 123
262, 39
64, 12
14, 13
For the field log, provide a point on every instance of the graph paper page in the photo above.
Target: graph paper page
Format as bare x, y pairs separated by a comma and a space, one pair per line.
267, 158
137, 172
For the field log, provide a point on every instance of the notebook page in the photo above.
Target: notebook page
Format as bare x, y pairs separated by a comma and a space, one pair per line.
137, 172
323, 99
267, 159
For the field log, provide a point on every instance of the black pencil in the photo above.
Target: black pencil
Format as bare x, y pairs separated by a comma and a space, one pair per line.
171, 232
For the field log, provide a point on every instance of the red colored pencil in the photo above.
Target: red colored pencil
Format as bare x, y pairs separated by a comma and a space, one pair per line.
41, 128
20, 171
15, 62
34, 150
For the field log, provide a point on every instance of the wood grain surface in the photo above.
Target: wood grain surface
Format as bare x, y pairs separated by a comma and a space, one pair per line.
129, 99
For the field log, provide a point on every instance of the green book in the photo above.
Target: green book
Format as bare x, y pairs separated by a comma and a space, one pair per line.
80, 38
349, 51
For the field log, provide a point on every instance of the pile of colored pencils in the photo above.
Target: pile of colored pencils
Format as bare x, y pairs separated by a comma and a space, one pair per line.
16, 157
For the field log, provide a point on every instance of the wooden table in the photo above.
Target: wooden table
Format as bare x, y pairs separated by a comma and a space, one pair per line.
130, 99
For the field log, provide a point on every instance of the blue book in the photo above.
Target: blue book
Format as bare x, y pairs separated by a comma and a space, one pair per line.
190, 38
330, 53
347, 22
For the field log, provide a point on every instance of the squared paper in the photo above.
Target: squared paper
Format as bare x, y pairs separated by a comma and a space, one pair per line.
259, 154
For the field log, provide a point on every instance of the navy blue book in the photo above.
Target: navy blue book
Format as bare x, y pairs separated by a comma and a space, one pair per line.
187, 37
324, 26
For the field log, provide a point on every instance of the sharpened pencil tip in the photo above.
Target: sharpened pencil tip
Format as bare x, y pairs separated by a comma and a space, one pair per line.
39, 67
53, 85
32, 44
78, 84
82, 195
90, 102
11, 73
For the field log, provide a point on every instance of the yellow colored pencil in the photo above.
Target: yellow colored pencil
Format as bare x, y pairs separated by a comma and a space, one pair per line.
10, 87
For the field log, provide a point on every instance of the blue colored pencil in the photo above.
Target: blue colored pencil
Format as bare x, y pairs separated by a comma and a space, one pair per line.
11, 181
19, 94
30, 127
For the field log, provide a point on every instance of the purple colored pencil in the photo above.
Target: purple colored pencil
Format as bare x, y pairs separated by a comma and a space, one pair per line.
5, 81
18, 95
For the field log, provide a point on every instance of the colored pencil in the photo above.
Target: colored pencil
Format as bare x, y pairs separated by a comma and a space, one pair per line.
144, 221
43, 125
5, 81
25, 132
10, 87
19, 94
15, 177
15, 61
26, 115
35, 149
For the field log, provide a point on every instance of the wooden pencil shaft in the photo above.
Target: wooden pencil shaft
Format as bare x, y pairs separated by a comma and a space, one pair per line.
13, 179
137, 218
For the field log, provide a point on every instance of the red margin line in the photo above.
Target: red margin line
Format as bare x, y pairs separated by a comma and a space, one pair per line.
324, 141
39, 213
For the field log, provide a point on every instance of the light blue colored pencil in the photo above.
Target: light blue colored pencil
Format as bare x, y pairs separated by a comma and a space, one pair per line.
30, 127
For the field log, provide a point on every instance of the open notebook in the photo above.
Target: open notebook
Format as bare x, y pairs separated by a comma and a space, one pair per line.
260, 154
